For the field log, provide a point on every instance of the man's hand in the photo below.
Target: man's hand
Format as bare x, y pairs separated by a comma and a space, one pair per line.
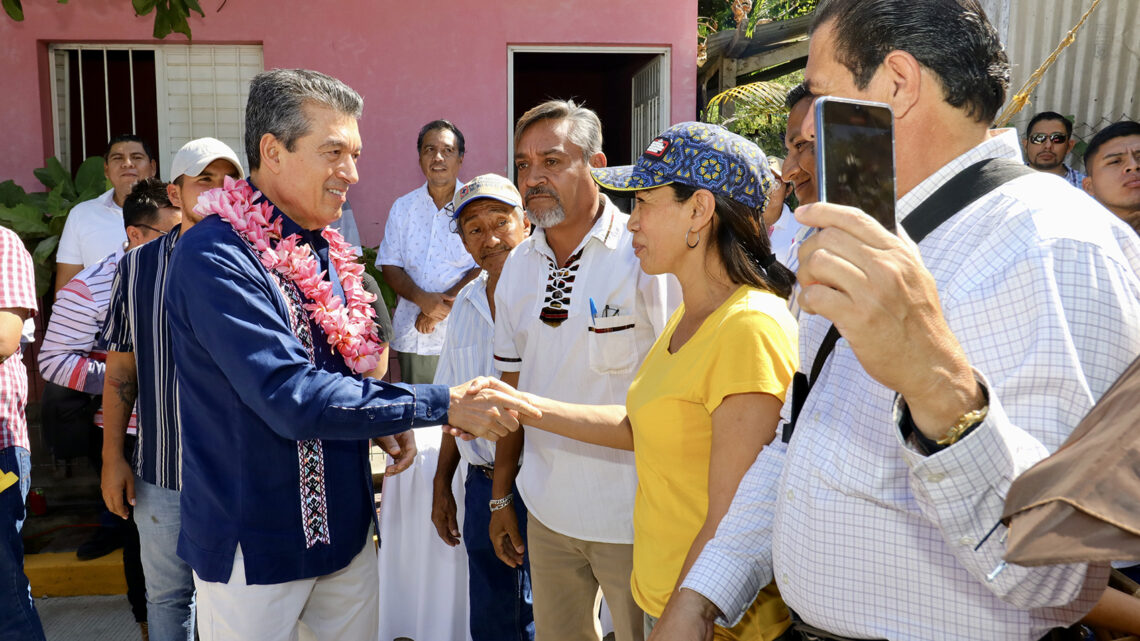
687, 617
488, 408
435, 305
505, 537
874, 287
443, 513
425, 324
117, 480
401, 447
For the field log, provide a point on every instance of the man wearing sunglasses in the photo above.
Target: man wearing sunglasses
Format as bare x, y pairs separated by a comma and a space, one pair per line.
1048, 139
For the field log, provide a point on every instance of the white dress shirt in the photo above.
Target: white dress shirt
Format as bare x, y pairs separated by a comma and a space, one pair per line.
467, 353
871, 539
94, 229
783, 236
418, 239
578, 489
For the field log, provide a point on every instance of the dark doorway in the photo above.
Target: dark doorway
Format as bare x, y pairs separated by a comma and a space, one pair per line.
600, 81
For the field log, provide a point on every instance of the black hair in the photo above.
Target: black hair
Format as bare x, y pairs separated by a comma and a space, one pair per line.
142, 204
128, 138
742, 244
798, 93
460, 143
1117, 129
951, 38
1049, 115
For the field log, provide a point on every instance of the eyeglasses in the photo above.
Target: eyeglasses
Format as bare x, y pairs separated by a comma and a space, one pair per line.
153, 229
1058, 139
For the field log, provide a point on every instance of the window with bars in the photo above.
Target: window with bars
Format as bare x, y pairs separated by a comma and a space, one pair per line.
166, 94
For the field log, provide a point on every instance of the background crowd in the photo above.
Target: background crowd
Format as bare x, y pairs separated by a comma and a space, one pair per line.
709, 417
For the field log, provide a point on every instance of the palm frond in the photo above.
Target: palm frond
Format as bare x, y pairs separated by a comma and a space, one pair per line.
764, 98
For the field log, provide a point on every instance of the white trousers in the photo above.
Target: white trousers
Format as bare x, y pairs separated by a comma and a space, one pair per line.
342, 606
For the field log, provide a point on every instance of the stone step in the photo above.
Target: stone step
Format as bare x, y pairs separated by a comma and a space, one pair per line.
56, 574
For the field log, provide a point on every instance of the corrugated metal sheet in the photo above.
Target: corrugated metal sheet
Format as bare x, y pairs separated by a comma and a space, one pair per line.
1095, 79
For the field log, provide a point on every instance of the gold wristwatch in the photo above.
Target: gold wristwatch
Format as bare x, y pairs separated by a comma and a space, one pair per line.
963, 425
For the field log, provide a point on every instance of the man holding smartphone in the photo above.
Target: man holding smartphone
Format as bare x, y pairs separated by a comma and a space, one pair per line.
960, 362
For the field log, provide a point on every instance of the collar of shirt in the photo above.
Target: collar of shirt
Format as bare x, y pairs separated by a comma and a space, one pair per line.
425, 195
475, 294
603, 230
107, 200
1001, 143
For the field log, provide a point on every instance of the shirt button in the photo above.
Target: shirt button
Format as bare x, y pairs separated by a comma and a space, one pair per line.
937, 477
815, 416
965, 541
784, 578
791, 495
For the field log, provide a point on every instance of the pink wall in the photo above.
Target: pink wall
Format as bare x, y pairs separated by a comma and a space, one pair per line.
412, 62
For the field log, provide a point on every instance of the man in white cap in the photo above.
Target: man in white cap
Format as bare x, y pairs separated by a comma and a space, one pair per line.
488, 216
140, 366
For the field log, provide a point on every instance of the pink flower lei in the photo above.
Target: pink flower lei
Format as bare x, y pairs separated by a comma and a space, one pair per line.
349, 326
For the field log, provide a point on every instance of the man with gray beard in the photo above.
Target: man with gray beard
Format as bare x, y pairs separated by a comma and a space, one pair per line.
576, 316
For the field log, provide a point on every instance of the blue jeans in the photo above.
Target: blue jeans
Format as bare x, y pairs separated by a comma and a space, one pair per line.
19, 621
169, 581
499, 594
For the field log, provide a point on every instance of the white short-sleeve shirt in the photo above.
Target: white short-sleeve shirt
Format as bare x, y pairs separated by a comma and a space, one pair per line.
578, 489
94, 229
467, 354
418, 239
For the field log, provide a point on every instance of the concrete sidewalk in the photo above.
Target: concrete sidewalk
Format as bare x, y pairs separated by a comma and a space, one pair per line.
88, 618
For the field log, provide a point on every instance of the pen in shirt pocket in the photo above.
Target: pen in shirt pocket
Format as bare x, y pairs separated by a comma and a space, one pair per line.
593, 313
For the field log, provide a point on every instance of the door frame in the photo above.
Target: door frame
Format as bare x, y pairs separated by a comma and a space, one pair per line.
666, 86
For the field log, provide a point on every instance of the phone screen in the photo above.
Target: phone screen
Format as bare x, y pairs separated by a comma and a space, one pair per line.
856, 156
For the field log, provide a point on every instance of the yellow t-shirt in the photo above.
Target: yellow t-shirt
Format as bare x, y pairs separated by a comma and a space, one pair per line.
747, 345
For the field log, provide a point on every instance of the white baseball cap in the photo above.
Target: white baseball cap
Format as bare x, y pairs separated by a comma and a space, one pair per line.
196, 154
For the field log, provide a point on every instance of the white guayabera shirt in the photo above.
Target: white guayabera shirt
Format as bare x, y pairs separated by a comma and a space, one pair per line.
418, 239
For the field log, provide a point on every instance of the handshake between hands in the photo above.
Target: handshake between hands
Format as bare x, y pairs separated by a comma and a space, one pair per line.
486, 407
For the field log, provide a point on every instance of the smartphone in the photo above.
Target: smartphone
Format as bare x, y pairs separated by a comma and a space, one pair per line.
855, 156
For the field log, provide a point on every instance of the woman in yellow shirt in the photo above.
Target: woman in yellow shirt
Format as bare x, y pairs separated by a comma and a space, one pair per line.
707, 398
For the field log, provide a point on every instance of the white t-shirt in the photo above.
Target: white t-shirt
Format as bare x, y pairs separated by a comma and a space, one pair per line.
578, 489
94, 229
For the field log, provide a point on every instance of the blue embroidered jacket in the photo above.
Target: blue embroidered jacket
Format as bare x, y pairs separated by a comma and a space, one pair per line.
247, 394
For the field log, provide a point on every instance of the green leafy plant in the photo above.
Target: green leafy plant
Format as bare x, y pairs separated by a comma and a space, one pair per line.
369, 260
38, 217
169, 15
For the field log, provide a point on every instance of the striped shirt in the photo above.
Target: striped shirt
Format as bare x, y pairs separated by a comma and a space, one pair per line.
136, 322
467, 353
73, 353
869, 539
17, 291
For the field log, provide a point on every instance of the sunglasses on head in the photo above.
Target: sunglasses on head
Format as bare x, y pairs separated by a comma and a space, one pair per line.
1057, 139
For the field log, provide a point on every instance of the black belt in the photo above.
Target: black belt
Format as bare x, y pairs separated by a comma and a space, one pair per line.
808, 632
487, 470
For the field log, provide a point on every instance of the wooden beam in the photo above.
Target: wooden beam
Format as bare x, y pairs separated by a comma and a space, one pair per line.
771, 58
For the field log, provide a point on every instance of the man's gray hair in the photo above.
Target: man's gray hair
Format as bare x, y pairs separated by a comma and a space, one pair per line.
585, 127
275, 101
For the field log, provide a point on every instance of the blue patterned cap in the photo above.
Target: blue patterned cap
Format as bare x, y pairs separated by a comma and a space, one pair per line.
699, 155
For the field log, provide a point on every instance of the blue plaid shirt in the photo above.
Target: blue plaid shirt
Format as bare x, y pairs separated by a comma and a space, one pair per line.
248, 394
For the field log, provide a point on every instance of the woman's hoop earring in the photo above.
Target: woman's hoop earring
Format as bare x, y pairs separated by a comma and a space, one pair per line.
694, 245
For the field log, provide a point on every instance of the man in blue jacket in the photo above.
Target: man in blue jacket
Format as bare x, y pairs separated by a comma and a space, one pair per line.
277, 508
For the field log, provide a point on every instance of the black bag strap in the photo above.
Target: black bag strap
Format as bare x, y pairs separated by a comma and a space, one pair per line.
953, 196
